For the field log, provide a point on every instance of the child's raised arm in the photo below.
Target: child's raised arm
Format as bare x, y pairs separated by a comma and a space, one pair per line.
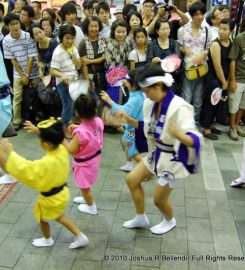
73, 146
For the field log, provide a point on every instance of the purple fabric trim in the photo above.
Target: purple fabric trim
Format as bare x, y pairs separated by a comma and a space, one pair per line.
140, 139
183, 154
161, 121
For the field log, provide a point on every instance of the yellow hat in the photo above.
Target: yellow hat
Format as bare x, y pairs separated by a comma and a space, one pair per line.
47, 123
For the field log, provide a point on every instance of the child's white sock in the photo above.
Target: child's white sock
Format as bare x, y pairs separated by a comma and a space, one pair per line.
79, 200
43, 242
89, 209
128, 166
139, 221
80, 241
164, 226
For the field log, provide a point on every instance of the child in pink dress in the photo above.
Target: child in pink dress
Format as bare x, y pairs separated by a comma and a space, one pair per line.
86, 148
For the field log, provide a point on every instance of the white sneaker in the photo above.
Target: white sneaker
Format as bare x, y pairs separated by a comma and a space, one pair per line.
92, 210
79, 200
7, 179
140, 221
81, 241
43, 242
128, 167
237, 183
164, 226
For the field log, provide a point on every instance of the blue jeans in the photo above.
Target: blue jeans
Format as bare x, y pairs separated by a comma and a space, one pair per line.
67, 103
192, 92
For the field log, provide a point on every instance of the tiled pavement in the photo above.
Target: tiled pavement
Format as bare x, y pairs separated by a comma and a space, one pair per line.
210, 219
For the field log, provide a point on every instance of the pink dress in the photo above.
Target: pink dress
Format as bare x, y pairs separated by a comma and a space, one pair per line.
90, 136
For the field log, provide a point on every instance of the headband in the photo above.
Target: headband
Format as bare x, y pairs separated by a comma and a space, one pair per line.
167, 79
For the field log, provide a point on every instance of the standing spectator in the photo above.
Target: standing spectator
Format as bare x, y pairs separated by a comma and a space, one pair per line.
64, 66
217, 76
118, 12
91, 7
237, 86
68, 15
148, 6
19, 4
160, 12
103, 12
92, 53
213, 19
225, 10
21, 49
194, 41
1, 17
26, 17
37, 9
134, 20
49, 13
48, 27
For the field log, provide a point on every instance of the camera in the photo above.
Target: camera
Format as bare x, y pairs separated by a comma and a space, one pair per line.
167, 7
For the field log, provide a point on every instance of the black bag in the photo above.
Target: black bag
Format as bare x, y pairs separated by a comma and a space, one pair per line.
30, 101
47, 94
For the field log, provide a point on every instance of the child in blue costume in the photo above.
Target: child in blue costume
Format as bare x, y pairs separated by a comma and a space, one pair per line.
134, 108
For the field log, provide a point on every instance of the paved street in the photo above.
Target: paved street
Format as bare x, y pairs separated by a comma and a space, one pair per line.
210, 218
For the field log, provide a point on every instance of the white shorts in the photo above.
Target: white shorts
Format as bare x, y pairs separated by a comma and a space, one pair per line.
167, 178
237, 98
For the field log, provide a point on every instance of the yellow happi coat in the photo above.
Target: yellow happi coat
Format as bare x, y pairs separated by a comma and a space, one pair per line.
51, 171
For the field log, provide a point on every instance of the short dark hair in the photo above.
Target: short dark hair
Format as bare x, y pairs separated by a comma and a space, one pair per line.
66, 9
66, 29
34, 25
29, 10
85, 106
195, 7
87, 22
117, 23
228, 22
50, 12
149, 1
10, 17
127, 8
222, 7
137, 14
54, 134
132, 74
52, 24
159, 22
38, 3
91, 3
102, 5
140, 30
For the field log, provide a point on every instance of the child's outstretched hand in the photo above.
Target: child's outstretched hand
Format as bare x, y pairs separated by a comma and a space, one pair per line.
104, 96
6, 146
30, 127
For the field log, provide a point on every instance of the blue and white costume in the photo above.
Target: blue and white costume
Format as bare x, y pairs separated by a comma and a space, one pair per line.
169, 158
134, 108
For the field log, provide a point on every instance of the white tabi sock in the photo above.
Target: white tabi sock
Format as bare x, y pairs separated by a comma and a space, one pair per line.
80, 241
43, 242
164, 226
129, 166
89, 209
79, 200
139, 221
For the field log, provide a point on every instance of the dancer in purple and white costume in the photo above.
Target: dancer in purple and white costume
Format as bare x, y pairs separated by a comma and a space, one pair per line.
170, 128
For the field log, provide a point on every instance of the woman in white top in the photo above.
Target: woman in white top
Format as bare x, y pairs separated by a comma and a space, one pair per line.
64, 65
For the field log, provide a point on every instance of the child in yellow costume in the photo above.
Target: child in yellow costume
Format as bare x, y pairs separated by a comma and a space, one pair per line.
48, 176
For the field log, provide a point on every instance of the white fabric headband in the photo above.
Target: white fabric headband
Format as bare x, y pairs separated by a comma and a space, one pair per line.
167, 79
